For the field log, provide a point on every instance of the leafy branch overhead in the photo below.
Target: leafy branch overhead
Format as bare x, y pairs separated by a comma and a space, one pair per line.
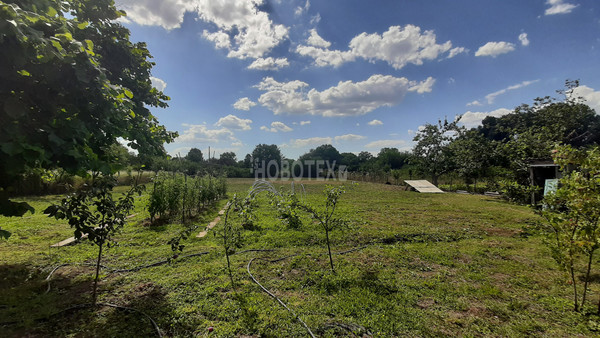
71, 84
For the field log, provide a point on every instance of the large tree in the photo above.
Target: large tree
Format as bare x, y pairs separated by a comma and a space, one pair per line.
71, 84
432, 152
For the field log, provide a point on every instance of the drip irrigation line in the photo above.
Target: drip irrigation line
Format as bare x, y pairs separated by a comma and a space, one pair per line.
118, 270
276, 298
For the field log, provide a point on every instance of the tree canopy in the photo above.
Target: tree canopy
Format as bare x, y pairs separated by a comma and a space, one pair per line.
71, 84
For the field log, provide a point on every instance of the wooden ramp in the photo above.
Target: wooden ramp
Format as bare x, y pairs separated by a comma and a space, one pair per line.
423, 186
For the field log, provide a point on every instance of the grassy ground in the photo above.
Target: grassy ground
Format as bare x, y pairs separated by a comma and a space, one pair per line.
433, 265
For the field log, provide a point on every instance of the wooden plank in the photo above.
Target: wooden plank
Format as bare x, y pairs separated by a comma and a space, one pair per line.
423, 186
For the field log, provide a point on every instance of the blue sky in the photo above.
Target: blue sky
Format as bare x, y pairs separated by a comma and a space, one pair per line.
360, 75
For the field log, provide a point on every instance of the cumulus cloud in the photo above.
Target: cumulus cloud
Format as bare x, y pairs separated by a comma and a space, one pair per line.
473, 119
348, 138
398, 46
494, 49
158, 83
277, 126
316, 40
524, 40
375, 123
559, 7
346, 99
233, 122
422, 87
200, 133
492, 96
591, 97
242, 28
303, 123
269, 63
455, 51
309, 142
401, 144
244, 104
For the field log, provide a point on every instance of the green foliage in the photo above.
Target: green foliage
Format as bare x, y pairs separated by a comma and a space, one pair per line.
288, 210
176, 195
194, 155
57, 57
432, 152
326, 215
95, 214
573, 212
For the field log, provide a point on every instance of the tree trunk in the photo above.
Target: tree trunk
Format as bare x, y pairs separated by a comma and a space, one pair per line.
329, 250
587, 278
94, 295
434, 179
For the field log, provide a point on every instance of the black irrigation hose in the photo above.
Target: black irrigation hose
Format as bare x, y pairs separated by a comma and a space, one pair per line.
86, 305
276, 298
118, 270
281, 259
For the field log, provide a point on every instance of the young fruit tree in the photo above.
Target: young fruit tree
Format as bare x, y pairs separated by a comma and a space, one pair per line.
95, 214
573, 215
325, 216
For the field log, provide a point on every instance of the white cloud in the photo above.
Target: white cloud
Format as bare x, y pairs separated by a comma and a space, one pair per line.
494, 49
492, 96
302, 9
387, 144
242, 28
302, 123
375, 123
220, 39
244, 104
277, 126
324, 57
269, 63
457, 50
473, 119
309, 142
559, 7
316, 40
233, 122
158, 83
348, 138
199, 133
346, 99
423, 86
592, 98
524, 40
474, 103
398, 46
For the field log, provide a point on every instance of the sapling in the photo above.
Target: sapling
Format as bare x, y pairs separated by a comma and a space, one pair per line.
573, 213
95, 214
325, 216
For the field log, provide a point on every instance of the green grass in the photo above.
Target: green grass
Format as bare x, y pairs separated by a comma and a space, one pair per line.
433, 265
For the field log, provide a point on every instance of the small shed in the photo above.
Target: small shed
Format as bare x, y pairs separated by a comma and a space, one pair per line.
423, 186
539, 172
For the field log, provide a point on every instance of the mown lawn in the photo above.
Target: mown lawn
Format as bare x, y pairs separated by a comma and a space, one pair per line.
431, 265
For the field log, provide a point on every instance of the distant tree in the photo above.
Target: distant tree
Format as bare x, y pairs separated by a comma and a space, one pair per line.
228, 158
432, 152
195, 155
71, 84
473, 154
364, 156
264, 153
248, 161
325, 152
392, 158
350, 160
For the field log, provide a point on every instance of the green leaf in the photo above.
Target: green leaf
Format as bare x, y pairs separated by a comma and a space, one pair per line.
83, 25
51, 12
128, 93
23, 72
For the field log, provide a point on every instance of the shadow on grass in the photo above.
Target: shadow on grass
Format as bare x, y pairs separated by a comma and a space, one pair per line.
27, 310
